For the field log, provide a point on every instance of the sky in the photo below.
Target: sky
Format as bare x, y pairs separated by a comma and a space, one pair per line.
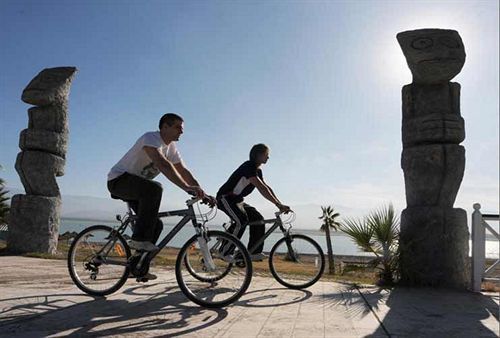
318, 81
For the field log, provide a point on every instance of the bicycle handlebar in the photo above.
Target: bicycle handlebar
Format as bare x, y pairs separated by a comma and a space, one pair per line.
193, 200
278, 213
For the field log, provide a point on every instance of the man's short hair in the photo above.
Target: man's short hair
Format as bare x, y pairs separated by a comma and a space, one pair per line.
169, 119
257, 150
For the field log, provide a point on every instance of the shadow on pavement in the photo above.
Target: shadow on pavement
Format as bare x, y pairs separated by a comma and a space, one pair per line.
352, 300
165, 310
434, 313
300, 296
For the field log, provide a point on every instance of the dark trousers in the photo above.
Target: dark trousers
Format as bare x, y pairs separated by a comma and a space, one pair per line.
144, 197
242, 214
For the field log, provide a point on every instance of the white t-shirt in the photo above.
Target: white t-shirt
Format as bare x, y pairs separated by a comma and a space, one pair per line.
137, 162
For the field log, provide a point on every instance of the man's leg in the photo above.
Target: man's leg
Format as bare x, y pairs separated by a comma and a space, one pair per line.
257, 231
158, 229
159, 224
148, 194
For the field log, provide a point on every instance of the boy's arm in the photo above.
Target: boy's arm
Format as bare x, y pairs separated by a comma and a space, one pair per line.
271, 190
266, 192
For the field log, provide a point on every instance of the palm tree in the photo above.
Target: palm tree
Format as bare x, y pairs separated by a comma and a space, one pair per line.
4, 208
377, 233
329, 222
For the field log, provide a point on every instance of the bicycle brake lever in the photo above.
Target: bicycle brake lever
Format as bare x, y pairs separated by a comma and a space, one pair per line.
192, 201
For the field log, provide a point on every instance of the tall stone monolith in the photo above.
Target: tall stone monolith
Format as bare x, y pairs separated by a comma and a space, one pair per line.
434, 235
34, 217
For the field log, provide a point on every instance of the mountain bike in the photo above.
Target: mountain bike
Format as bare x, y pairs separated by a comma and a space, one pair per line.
100, 261
295, 260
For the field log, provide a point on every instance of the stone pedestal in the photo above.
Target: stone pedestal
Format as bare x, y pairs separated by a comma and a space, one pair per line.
434, 247
34, 224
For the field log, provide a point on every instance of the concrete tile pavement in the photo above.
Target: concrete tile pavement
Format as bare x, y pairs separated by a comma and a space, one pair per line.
37, 298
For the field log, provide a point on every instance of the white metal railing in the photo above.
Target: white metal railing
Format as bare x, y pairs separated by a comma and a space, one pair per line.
479, 226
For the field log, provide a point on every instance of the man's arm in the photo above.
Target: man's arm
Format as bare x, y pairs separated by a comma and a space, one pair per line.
189, 178
186, 174
169, 170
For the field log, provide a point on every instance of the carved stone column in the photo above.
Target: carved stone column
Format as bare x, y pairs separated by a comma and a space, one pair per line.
34, 217
434, 236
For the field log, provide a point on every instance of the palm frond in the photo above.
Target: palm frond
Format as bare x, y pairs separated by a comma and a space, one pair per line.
377, 233
360, 233
328, 218
385, 226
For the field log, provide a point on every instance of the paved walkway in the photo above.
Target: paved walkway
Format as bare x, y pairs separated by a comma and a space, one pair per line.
38, 299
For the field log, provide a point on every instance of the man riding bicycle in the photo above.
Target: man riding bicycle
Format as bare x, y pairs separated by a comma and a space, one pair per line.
131, 179
230, 198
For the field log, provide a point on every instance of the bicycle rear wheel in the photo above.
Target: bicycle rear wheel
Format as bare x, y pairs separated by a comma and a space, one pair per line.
296, 261
97, 260
218, 281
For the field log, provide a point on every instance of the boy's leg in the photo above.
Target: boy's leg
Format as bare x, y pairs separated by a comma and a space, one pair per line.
257, 231
236, 212
148, 194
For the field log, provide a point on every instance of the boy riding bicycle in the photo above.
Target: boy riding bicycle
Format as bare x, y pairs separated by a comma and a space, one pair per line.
230, 198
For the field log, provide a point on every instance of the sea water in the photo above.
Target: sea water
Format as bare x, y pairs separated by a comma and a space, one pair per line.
342, 244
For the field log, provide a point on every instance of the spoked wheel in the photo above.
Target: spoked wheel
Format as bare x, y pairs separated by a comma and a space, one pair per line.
194, 257
209, 278
97, 260
296, 261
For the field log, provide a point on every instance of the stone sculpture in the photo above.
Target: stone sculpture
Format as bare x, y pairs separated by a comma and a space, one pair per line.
34, 217
434, 235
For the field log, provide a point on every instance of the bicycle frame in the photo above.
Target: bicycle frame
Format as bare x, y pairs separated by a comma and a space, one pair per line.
277, 223
188, 215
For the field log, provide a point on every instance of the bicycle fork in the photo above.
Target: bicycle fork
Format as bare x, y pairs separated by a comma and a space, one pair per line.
291, 251
207, 257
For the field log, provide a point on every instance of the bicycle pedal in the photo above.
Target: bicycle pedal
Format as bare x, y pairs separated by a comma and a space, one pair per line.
240, 264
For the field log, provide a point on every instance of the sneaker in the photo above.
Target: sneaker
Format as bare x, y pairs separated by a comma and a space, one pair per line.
142, 245
218, 255
239, 261
145, 278
259, 257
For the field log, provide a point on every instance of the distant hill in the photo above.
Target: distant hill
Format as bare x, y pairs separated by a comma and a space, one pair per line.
99, 208
105, 209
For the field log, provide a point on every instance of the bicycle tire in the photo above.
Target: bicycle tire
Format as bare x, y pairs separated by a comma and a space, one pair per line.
295, 286
215, 304
73, 274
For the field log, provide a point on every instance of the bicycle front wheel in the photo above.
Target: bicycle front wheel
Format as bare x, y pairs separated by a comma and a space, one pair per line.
97, 260
209, 278
297, 261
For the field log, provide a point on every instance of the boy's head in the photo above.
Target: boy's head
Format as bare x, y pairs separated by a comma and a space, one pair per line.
259, 153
